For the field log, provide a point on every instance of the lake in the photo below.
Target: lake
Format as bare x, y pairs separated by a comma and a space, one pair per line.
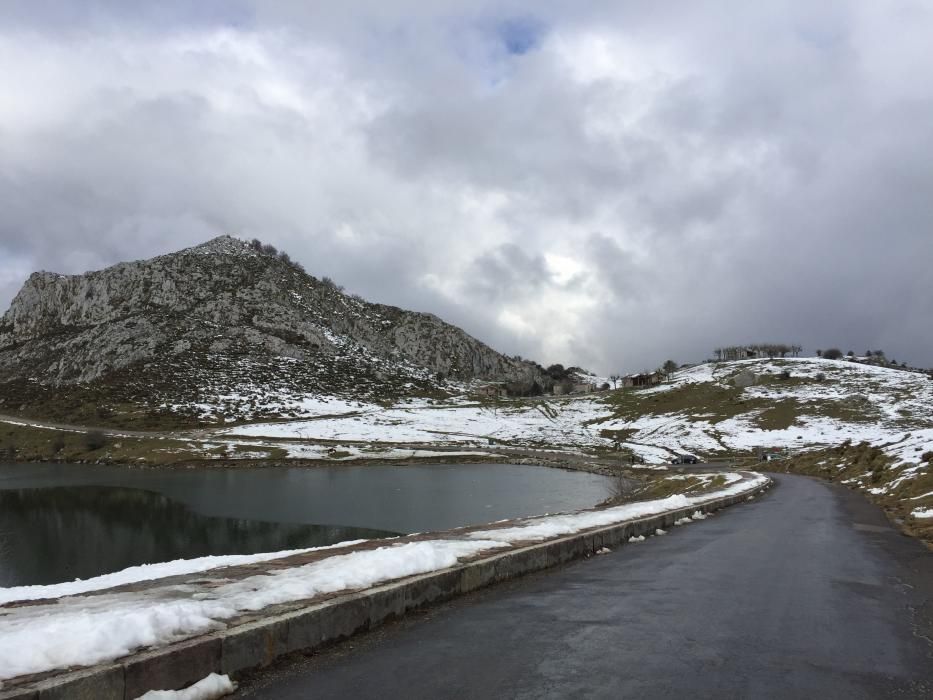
59, 522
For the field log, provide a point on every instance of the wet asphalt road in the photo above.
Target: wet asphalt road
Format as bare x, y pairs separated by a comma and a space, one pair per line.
805, 593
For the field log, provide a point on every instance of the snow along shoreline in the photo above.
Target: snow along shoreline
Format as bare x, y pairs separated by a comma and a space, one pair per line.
84, 629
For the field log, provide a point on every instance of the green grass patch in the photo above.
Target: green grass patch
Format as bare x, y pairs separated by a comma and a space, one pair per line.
779, 416
25, 443
710, 401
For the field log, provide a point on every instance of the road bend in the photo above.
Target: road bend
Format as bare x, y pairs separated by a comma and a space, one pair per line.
807, 592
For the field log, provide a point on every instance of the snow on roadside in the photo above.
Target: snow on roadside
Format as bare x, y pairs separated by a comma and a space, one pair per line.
537, 529
149, 572
922, 513
208, 688
83, 630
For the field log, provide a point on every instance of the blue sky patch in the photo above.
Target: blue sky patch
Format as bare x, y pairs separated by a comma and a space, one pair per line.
520, 35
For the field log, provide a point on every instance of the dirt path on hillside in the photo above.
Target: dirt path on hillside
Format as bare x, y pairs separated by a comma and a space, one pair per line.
109, 432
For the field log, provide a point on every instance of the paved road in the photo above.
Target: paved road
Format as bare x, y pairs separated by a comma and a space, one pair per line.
805, 593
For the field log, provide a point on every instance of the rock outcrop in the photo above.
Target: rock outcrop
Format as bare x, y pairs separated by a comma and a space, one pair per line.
211, 317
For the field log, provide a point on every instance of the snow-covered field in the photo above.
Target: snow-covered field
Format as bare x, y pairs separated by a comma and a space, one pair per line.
86, 629
895, 409
552, 422
826, 403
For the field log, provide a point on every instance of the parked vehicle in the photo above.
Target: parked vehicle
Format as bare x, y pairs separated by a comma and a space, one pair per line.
685, 459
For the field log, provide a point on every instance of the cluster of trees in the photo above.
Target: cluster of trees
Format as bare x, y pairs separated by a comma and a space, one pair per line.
527, 388
760, 349
559, 373
873, 356
565, 377
272, 251
333, 285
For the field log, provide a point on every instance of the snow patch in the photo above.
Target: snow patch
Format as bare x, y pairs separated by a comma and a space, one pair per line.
149, 572
209, 688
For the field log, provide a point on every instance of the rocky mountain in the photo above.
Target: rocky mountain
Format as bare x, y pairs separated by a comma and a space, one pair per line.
226, 321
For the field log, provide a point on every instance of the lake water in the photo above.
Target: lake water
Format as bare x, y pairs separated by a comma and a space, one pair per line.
59, 521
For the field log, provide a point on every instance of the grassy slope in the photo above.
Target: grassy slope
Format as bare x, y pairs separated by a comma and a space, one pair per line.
703, 410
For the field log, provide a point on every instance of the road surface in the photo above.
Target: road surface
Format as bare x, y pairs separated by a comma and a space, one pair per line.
807, 592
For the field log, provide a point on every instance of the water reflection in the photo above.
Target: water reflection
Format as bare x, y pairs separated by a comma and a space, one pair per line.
62, 533
65, 521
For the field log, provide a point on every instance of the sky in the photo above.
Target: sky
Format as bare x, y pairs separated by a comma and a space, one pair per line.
603, 184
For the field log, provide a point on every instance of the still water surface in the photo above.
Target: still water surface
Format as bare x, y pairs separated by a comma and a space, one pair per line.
59, 522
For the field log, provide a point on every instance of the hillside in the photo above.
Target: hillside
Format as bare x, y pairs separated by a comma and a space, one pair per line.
222, 328
781, 404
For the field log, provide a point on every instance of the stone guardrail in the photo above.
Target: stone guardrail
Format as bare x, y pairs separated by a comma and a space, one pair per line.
288, 628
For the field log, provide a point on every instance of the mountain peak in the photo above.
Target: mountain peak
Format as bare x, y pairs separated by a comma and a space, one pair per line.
222, 245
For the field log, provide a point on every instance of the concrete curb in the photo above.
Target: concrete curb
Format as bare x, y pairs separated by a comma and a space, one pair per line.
257, 643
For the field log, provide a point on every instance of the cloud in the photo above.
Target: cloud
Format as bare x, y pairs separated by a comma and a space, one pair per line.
607, 185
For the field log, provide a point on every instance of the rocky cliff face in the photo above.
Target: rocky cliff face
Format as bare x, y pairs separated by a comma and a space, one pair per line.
210, 318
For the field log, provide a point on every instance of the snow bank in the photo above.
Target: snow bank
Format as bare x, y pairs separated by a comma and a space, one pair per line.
80, 631
209, 688
539, 529
149, 572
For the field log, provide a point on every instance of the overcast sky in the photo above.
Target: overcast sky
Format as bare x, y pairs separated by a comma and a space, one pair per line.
598, 183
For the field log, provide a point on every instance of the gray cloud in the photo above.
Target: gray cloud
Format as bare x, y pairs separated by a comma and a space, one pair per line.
608, 185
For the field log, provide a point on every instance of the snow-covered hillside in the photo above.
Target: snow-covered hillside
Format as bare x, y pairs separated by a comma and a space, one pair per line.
526, 423
787, 404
